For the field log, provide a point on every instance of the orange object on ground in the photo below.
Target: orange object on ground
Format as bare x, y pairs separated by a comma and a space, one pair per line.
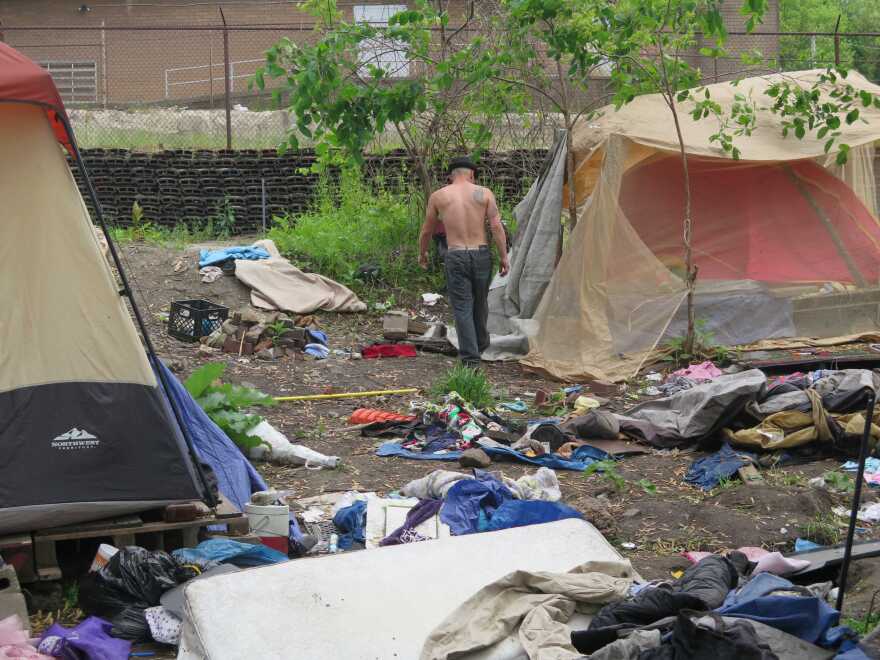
371, 415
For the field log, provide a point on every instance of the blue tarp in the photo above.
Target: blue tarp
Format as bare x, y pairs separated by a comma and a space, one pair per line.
236, 477
243, 555
214, 257
581, 459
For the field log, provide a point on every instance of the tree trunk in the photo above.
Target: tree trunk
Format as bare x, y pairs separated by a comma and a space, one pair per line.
690, 268
569, 174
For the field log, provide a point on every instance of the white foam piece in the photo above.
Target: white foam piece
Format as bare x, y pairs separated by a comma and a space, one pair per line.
372, 605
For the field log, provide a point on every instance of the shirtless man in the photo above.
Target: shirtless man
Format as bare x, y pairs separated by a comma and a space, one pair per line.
464, 209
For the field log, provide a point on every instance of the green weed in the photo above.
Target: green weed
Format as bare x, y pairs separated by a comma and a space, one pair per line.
225, 403
839, 481
349, 226
608, 470
824, 529
866, 623
471, 384
705, 348
648, 486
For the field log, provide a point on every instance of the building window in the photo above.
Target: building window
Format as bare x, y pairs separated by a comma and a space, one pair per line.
388, 55
77, 82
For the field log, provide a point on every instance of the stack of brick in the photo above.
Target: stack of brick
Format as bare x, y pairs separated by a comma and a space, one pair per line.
266, 335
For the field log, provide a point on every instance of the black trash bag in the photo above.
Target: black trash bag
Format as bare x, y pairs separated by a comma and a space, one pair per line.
133, 580
141, 574
131, 624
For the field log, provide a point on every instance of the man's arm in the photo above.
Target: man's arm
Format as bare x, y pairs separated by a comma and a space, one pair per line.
428, 229
494, 217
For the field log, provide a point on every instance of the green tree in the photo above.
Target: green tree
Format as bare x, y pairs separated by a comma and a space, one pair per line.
346, 88
803, 52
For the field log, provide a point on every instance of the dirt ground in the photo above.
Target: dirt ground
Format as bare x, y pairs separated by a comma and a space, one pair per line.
661, 521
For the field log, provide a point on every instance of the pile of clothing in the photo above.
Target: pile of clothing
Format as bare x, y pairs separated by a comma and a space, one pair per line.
718, 610
820, 408
444, 432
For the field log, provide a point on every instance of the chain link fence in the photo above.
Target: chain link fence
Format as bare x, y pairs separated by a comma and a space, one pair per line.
150, 89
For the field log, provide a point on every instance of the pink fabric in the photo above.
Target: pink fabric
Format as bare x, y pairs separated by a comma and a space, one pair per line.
14, 641
704, 371
774, 562
767, 562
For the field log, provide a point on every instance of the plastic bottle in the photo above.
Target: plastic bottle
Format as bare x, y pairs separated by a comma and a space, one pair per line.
334, 543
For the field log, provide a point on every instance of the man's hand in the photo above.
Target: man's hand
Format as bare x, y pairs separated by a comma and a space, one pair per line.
423, 260
505, 266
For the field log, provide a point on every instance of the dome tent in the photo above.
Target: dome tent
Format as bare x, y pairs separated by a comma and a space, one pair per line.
86, 430
787, 243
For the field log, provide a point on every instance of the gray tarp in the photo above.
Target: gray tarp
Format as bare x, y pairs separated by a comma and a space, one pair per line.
514, 298
692, 415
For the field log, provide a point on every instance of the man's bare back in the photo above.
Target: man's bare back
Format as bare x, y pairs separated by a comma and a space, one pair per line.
464, 208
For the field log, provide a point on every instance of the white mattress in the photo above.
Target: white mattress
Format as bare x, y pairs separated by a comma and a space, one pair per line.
371, 605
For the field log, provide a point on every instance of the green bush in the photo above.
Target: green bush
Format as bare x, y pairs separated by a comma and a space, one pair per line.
350, 226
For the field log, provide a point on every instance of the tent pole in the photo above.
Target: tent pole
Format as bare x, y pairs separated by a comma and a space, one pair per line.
126, 291
870, 395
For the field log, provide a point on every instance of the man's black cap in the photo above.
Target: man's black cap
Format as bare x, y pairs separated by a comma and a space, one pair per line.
462, 162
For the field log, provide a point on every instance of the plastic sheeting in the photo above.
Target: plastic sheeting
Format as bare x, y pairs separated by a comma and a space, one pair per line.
785, 247
619, 289
236, 477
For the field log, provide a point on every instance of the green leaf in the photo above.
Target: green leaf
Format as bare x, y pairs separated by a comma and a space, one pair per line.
867, 98
842, 155
202, 378
829, 144
852, 116
647, 486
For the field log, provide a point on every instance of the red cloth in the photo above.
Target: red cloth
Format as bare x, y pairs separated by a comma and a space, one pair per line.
389, 350
24, 81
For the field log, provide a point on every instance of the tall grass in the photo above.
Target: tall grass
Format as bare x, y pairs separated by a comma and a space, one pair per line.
353, 224
471, 384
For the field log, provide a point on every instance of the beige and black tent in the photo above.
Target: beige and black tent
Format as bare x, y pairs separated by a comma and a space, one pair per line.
86, 430
787, 243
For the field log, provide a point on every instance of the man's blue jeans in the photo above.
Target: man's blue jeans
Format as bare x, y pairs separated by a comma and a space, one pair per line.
468, 275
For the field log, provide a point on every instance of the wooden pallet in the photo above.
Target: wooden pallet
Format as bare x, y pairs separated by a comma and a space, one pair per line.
129, 530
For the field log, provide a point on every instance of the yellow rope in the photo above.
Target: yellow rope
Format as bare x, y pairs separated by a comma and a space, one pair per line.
345, 395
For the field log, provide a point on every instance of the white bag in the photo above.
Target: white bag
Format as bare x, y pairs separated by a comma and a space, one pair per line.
283, 452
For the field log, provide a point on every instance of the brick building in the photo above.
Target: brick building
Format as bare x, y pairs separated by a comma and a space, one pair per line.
104, 56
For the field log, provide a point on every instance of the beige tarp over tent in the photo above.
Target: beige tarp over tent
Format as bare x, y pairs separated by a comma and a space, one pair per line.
779, 224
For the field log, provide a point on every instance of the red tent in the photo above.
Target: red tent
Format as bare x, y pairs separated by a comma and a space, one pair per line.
773, 222
24, 81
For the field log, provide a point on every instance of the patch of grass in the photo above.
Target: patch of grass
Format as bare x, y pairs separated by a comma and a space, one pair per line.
778, 477
824, 529
352, 226
724, 483
471, 384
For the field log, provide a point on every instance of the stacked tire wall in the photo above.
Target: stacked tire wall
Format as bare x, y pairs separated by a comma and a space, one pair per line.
194, 186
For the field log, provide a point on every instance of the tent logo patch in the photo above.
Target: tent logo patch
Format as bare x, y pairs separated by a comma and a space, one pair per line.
75, 439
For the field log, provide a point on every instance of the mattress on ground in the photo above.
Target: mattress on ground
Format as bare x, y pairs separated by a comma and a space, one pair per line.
379, 604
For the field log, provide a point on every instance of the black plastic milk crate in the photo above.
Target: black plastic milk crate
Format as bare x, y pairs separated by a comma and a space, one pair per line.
192, 319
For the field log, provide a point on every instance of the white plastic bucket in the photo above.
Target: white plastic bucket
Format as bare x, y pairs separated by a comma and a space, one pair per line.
269, 520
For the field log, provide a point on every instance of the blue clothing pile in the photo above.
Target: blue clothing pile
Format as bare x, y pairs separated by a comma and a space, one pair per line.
581, 458
214, 257
484, 504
